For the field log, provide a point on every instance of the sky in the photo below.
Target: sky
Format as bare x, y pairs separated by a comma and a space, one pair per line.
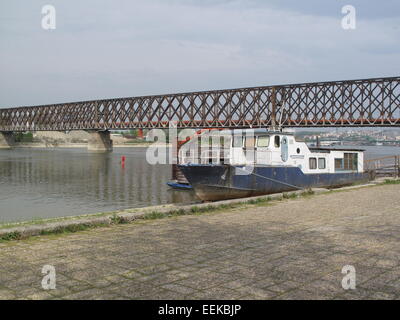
116, 48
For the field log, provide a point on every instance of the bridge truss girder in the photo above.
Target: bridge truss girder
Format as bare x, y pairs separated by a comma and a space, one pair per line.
367, 102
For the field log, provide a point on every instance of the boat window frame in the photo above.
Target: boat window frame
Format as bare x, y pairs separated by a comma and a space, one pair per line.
324, 162
263, 136
277, 142
350, 161
341, 168
316, 163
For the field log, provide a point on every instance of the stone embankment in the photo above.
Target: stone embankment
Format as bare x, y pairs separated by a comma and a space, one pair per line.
295, 248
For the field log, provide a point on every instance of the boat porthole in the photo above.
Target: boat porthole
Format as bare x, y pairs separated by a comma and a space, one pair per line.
298, 150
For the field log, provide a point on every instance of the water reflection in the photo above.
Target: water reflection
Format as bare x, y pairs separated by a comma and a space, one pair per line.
51, 183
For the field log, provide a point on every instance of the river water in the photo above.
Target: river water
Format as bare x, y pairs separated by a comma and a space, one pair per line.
46, 183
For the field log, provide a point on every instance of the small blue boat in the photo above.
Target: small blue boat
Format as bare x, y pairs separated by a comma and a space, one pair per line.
179, 186
266, 162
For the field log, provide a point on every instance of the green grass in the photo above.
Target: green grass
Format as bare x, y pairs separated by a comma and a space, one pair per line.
390, 181
61, 230
289, 195
259, 201
116, 219
154, 215
307, 193
71, 229
11, 236
41, 221
195, 210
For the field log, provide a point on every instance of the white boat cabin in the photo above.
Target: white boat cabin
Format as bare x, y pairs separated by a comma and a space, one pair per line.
269, 148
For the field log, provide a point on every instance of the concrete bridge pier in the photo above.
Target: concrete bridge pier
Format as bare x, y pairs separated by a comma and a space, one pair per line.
7, 139
100, 141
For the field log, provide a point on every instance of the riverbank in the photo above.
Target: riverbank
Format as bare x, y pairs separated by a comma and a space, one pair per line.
291, 249
37, 227
79, 145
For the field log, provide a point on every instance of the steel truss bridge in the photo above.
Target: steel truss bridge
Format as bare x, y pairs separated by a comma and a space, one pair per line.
366, 102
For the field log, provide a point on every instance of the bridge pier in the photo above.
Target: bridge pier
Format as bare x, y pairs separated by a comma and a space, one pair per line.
7, 139
100, 141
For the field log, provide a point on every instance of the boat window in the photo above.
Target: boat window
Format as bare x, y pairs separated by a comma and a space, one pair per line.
277, 141
237, 141
350, 161
321, 163
338, 164
313, 163
263, 141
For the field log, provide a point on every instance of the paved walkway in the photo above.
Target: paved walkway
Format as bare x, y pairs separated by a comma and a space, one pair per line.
292, 249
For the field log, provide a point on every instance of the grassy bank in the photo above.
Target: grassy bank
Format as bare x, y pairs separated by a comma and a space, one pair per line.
81, 223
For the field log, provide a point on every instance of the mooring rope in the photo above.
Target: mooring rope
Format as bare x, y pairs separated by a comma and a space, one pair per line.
274, 180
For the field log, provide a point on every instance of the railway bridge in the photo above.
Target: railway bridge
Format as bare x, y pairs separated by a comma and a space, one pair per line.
364, 102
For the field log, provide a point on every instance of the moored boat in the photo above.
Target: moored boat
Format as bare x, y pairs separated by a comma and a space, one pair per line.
259, 161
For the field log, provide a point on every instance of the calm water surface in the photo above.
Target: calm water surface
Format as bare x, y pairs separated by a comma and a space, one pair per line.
44, 183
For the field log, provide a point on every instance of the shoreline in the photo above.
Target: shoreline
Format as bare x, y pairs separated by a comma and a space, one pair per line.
42, 145
30, 228
115, 145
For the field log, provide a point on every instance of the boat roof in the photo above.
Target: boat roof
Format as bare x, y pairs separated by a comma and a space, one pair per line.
258, 131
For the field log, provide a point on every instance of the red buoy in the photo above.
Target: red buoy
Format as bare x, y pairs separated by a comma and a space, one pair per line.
123, 161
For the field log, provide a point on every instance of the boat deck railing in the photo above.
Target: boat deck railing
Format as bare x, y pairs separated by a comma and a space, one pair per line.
208, 156
384, 166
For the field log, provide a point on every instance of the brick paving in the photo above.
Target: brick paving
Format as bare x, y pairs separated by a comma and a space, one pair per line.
293, 249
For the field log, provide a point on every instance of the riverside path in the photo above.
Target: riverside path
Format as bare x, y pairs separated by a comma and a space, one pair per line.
290, 249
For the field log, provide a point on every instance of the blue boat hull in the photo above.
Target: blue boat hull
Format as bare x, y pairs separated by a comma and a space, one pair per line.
218, 182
